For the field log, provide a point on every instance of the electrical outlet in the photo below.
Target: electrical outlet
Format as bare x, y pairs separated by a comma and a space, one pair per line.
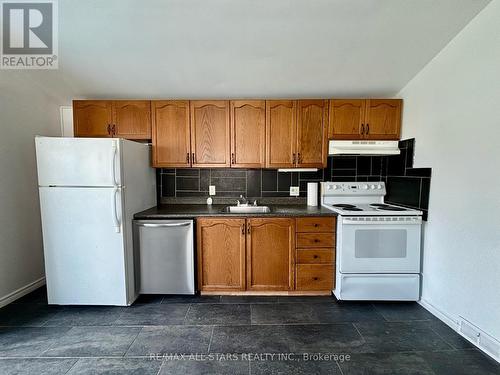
294, 191
211, 190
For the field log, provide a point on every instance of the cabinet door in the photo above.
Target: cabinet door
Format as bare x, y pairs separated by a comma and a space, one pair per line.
92, 118
221, 254
248, 132
281, 129
270, 253
210, 145
383, 118
171, 133
346, 118
132, 119
311, 133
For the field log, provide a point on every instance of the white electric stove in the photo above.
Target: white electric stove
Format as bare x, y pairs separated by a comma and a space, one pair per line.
378, 244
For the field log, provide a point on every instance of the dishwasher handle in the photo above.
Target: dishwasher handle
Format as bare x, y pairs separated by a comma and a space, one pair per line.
159, 225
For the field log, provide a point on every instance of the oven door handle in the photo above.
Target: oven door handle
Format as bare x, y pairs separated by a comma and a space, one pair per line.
381, 220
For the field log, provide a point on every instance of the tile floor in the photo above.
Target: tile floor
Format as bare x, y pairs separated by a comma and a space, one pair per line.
232, 335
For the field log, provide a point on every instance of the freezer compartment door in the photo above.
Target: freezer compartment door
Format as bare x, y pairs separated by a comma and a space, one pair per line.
378, 287
164, 256
78, 161
83, 246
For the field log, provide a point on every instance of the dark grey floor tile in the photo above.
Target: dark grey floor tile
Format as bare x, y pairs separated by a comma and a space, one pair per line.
306, 299
190, 299
37, 296
249, 299
461, 362
226, 367
400, 336
403, 311
287, 339
171, 339
93, 342
27, 315
155, 314
85, 316
115, 366
38, 366
210, 314
149, 299
386, 363
449, 335
296, 367
28, 341
292, 313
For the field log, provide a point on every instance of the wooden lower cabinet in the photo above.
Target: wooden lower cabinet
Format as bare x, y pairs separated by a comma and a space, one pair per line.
315, 276
270, 254
221, 254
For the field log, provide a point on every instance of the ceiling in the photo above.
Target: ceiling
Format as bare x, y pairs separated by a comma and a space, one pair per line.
247, 48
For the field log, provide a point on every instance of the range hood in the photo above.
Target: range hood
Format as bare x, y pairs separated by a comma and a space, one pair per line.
363, 148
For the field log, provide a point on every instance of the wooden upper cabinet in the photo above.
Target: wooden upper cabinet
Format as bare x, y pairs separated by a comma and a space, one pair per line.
311, 133
221, 254
346, 118
383, 118
210, 129
270, 253
281, 133
92, 118
132, 119
171, 133
248, 133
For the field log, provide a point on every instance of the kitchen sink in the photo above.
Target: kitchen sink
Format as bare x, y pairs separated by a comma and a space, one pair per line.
247, 209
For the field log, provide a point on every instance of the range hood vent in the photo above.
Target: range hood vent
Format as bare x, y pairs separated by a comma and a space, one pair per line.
363, 148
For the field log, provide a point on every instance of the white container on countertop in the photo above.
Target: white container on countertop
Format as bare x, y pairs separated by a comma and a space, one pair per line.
312, 194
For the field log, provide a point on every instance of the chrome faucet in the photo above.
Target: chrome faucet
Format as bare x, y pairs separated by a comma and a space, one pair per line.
242, 201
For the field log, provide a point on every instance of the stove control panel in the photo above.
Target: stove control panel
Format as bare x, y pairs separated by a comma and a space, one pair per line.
353, 188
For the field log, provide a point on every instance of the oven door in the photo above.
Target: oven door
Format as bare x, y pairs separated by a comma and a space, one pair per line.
379, 244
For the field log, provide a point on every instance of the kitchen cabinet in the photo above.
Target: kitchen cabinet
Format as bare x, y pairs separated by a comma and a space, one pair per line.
221, 254
281, 133
312, 133
270, 253
171, 133
130, 119
210, 133
248, 131
377, 119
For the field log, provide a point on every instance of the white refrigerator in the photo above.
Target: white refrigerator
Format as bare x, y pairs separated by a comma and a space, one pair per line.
89, 190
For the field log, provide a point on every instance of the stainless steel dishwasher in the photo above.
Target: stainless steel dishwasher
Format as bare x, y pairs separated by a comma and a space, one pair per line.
164, 256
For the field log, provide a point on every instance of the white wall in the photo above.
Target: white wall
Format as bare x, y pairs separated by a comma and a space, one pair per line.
25, 111
452, 108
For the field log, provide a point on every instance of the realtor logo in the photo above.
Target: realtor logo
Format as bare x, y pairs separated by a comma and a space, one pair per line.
29, 34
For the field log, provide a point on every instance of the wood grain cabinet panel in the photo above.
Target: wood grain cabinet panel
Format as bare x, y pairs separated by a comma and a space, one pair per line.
132, 119
92, 118
316, 224
221, 254
171, 133
281, 133
312, 133
210, 129
315, 240
248, 132
383, 119
346, 118
315, 276
270, 253
315, 256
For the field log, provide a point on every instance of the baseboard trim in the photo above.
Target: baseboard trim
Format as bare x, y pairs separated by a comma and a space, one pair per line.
453, 323
16, 294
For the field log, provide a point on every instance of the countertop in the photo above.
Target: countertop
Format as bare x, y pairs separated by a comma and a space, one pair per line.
171, 211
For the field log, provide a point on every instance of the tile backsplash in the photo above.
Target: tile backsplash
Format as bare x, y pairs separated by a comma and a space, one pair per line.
406, 185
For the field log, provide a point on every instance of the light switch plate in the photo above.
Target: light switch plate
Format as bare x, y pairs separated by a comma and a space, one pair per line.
211, 190
294, 191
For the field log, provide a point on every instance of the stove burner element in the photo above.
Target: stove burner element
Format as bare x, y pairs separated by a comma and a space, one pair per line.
352, 209
379, 205
344, 205
391, 208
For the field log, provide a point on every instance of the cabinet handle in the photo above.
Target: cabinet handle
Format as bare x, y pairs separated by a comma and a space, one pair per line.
299, 158
109, 129
316, 240
362, 129
233, 160
193, 160
187, 157
367, 129
113, 128
243, 229
315, 278
316, 225
248, 228
315, 256
293, 158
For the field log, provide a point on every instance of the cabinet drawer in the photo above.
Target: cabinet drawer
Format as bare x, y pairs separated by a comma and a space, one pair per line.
315, 256
314, 277
316, 224
315, 240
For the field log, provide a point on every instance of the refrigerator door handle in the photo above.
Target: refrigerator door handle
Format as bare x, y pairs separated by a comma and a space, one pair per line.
116, 220
113, 163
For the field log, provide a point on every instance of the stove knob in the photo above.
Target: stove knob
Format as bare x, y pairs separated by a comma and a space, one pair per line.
379, 186
364, 187
372, 186
336, 187
329, 187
